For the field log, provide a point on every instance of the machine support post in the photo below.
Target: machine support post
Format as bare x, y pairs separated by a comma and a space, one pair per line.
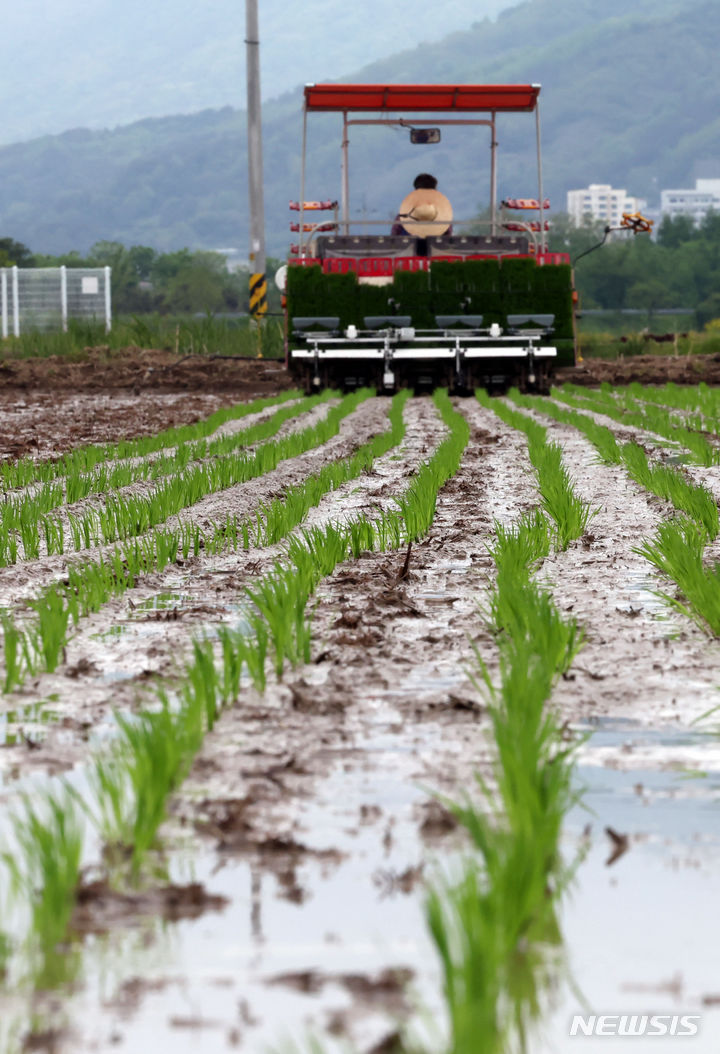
345, 176
258, 280
540, 176
301, 246
493, 177
459, 374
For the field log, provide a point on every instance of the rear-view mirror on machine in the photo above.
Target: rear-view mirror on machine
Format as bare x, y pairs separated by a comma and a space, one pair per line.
424, 135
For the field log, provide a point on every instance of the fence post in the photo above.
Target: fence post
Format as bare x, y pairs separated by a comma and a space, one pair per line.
16, 302
108, 305
63, 297
3, 294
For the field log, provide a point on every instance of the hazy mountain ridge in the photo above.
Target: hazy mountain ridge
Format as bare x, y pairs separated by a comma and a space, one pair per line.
619, 104
103, 63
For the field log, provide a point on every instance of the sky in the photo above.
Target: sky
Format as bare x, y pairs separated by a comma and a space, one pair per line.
99, 63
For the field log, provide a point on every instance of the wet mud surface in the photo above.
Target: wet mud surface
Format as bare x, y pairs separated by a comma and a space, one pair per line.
139, 370
40, 424
646, 369
300, 844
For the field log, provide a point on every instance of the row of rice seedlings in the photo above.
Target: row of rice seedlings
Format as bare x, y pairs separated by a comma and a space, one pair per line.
26, 513
687, 497
126, 516
665, 423
602, 438
666, 482
676, 550
280, 626
637, 396
154, 750
44, 870
27, 470
495, 925
92, 583
700, 404
569, 513
652, 419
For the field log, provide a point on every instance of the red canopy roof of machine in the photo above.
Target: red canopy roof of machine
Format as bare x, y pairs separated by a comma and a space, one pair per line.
508, 98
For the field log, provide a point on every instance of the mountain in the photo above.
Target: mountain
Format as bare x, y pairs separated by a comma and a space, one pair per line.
106, 63
630, 96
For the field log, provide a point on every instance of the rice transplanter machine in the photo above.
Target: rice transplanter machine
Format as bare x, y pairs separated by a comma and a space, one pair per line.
425, 303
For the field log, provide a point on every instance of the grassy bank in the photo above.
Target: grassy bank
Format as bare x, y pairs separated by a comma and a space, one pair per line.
184, 335
594, 344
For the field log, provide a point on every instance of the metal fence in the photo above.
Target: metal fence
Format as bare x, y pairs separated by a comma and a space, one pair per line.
44, 298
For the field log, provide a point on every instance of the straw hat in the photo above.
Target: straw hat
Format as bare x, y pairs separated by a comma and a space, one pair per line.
424, 212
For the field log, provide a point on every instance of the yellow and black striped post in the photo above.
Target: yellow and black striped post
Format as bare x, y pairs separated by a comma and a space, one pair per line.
258, 305
258, 296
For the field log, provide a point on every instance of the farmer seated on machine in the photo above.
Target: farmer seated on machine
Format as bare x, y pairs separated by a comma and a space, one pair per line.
425, 211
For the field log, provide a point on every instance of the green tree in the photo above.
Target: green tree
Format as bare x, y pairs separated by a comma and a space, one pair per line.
14, 253
675, 230
648, 294
198, 285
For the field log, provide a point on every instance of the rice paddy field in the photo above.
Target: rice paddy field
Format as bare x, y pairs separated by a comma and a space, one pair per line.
362, 724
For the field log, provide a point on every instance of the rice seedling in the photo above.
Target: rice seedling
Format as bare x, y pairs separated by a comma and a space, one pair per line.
44, 868
150, 758
672, 485
498, 941
677, 552
52, 622
15, 668
570, 513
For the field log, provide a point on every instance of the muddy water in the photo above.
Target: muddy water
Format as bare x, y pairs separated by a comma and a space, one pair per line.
643, 932
309, 808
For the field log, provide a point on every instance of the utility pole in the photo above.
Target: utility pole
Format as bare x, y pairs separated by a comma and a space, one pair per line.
258, 280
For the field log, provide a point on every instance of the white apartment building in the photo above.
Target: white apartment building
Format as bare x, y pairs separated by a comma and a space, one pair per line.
601, 202
693, 203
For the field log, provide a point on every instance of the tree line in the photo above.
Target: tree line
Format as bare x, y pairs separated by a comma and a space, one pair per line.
147, 281
677, 268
